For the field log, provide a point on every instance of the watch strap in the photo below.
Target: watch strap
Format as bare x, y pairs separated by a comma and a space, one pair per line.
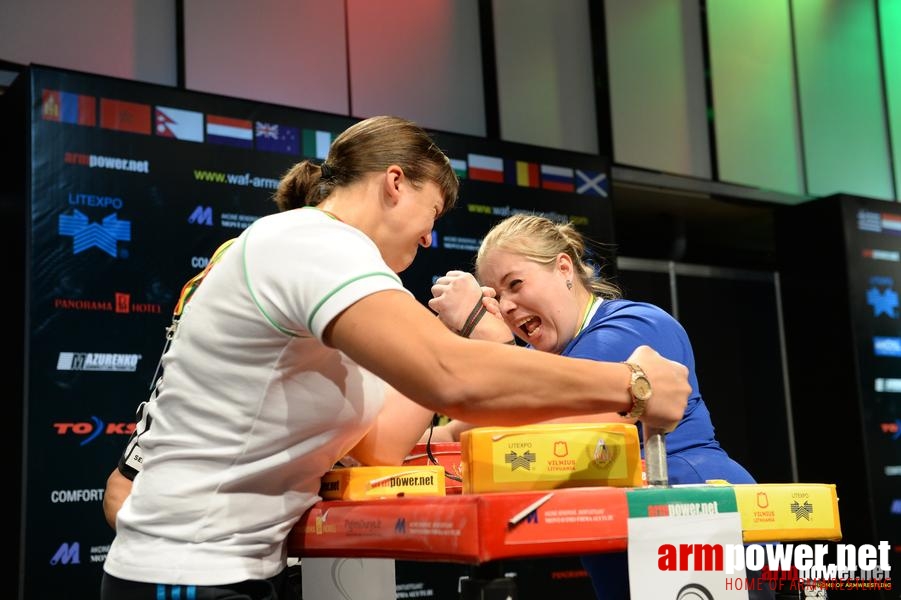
638, 404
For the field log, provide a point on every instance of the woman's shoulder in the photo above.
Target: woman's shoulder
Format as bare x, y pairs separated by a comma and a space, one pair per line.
622, 307
304, 227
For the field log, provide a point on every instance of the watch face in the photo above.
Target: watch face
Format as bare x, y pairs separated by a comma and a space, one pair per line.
641, 388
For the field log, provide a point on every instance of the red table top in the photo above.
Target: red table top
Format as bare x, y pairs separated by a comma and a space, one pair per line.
466, 528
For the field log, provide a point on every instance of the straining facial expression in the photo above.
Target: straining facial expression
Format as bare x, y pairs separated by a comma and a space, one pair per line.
535, 299
411, 224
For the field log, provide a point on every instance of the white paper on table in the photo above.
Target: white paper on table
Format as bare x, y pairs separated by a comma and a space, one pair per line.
348, 578
647, 580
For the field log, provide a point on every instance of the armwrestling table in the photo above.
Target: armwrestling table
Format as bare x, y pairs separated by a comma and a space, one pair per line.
477, 529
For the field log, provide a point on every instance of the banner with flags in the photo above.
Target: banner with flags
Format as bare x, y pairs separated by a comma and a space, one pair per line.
179, 124
66, 107
120, 115
521, 173
275, 137
557, 178
132, 186
591, 183
486, 168
316, 143
459, 167
229, 131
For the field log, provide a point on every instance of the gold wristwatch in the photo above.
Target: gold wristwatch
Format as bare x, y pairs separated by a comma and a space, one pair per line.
640, 389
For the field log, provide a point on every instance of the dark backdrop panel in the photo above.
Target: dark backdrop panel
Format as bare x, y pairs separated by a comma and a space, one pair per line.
732, 321
131, 187
841, 275
646, 285
13, 228
734, 330
533, 579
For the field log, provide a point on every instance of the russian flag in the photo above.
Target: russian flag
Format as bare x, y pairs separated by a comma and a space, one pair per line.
559, 179
486, 168
179, 124
66, 107
521, 173
228, 131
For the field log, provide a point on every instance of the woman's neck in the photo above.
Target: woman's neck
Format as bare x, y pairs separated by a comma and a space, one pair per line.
586, 303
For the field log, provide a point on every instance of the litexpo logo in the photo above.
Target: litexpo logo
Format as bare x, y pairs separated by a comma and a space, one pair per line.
96, 201
520, 461
882, 296
864, 567
105, 235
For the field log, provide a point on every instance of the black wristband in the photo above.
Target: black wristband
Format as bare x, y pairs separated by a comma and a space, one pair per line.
473, 319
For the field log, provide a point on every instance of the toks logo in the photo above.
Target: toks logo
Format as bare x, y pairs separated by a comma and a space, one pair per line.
893, 428
89, 431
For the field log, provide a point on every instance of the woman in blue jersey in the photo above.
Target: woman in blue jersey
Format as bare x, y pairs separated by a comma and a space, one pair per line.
537, 285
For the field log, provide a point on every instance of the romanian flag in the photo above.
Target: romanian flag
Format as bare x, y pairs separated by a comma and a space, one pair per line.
125, 116
559, 179
69, 108
521, 173
486, 168
229, 131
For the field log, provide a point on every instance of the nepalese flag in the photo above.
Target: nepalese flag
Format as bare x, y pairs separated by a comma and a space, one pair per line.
459, 167
591, 183
559, 179
486, 168
179, 124
521, 173
273, 137
891, 223
120, 115
228, 131
316, 143
66, 107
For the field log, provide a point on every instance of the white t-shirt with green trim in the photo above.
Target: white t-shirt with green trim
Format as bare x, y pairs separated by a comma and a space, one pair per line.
253, 408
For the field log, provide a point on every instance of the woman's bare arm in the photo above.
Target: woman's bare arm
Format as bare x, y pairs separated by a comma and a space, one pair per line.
486, 383
118, 487
395, 431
